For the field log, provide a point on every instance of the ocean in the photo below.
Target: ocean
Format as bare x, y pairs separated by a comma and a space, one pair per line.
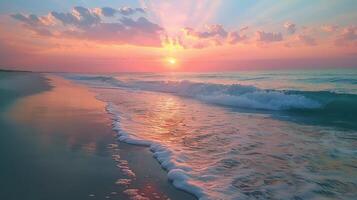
277, 134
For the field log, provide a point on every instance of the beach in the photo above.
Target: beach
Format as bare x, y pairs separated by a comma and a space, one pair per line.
57, 142
177, 136
178, 100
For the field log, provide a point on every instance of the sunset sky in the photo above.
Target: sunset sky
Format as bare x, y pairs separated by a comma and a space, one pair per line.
181, 35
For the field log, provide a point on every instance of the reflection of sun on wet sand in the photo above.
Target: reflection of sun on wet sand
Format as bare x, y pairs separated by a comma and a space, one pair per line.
75, 149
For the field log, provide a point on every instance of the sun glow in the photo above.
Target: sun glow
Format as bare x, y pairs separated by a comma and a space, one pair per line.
171, 60
171, 63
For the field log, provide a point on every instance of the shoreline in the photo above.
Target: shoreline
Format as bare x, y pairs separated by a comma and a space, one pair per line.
15, 85
63, 136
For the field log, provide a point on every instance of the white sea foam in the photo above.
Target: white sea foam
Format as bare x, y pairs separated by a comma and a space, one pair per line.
135, 195
123, 181
177, 171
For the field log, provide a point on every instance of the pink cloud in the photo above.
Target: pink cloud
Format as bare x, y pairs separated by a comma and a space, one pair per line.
126, 11
79, 17
348, 36
215, 30
235, 37
329, 28
213, 35
290, 27
83, 23
268, 37
244, 28
33, 23
28, 19
306, 39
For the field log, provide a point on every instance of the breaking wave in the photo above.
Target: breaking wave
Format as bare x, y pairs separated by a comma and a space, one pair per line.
236, 95
228, 95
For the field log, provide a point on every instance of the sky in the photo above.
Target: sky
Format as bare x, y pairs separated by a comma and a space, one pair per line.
177, 35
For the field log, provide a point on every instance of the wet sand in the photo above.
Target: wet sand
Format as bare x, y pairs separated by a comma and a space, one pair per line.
57, 143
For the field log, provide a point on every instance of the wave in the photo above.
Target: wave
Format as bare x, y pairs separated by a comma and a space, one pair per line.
94, 79
234, 95
241, 96
336, 108
352, 80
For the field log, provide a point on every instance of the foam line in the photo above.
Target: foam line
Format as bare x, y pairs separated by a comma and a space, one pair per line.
176, 171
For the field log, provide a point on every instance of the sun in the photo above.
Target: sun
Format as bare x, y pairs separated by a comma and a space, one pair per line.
171, 63
171, 60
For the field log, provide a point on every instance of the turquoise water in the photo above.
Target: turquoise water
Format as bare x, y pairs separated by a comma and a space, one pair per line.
250, 135
332, 80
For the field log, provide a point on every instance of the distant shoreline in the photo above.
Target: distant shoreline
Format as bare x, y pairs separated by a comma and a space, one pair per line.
18, 84
10, 70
